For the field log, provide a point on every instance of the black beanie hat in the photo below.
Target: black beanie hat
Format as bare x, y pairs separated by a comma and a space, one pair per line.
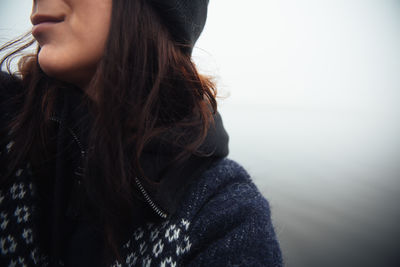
185, 19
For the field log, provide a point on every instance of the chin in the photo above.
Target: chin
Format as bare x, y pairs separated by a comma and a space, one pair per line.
63, 70
51, 64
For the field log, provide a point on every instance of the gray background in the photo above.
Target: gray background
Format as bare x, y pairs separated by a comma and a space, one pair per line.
310, 97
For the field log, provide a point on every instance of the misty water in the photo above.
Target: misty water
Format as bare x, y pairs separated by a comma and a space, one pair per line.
332, 180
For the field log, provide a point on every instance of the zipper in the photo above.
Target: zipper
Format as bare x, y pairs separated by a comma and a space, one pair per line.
83, 152
155, 208
146, 196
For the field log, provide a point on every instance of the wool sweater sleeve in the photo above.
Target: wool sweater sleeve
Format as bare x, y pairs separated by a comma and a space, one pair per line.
233, 225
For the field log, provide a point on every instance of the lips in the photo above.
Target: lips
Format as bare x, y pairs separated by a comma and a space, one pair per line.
41, 18
42, 23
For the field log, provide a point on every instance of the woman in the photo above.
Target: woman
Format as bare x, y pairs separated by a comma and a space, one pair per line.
113, 153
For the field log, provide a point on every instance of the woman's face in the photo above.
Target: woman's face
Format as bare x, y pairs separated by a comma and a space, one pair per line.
72, 36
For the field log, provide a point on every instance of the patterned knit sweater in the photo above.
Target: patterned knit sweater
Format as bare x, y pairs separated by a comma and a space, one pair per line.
223, 220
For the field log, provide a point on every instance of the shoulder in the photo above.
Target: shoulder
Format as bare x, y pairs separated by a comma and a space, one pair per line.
10, 87
9, 84
225, 183
230, 220
223, 220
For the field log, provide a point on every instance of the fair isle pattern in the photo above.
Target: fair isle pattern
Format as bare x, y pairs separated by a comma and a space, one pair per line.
17, 241
157, 244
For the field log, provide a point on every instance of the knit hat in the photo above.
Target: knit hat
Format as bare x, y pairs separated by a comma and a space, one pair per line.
185, 19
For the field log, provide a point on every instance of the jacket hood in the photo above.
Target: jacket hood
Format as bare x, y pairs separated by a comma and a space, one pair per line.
172, 178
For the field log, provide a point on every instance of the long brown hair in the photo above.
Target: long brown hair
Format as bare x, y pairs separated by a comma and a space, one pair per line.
145, 85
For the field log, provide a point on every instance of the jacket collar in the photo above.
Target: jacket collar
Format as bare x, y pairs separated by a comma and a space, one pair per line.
157, 158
